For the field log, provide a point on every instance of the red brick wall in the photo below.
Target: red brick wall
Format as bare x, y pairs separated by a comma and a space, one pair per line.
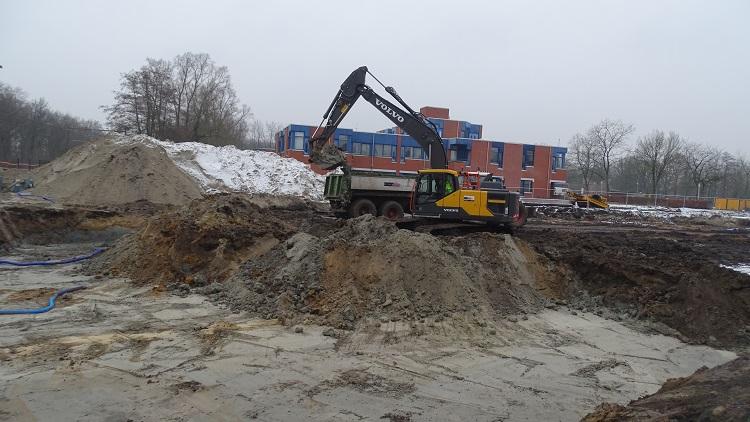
450, 129
512, 159
436, 112
539, 171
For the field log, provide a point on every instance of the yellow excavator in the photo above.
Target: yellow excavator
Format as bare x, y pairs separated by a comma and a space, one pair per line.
437, 192
588, 201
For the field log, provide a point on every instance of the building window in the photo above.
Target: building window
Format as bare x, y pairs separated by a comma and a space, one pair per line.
458, 153
496, 156
558, 188
527, 186
359, 148
558, 161
383, 150
342, 142
413, 153
298, 141
528, 156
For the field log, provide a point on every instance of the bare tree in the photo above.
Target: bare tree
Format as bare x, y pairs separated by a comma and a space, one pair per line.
657, 151
608, 137
187, 98
261, 135
584, 157
703, 165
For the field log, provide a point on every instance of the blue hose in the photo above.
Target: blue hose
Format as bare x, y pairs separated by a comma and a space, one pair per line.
94, 253
31, 195
43, 309
53, 298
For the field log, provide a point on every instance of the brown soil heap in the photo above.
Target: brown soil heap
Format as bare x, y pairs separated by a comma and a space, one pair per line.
205, 241
370, 269
106, 172
718, 394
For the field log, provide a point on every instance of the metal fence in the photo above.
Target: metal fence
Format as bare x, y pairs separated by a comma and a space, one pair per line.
657, 200
19, 165
626, 198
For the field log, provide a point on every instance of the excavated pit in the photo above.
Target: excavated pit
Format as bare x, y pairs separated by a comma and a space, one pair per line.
284, 258
672, 278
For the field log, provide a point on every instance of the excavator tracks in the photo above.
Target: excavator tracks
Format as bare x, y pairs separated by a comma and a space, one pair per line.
442, 228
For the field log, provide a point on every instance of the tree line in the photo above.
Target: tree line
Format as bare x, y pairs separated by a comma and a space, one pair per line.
31, 132
605, 157
187, 98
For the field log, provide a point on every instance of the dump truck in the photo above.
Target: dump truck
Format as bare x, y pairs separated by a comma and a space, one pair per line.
370, 193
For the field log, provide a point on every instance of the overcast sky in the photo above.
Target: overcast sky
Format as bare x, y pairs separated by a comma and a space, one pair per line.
528, 71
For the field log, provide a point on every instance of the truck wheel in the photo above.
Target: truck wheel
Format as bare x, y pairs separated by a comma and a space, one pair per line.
392, 210
362, 207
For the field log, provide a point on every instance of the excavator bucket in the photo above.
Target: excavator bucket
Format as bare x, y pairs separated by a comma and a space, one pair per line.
328, 157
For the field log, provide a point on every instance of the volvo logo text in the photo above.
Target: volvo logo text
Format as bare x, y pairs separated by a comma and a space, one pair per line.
383, 106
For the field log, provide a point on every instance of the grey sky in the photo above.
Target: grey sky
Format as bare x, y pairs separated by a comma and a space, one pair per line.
529, 71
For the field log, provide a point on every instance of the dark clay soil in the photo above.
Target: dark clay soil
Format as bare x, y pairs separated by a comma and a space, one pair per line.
718, 394
672, 277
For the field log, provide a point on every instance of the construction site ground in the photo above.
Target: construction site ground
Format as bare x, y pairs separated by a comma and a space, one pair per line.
269, 309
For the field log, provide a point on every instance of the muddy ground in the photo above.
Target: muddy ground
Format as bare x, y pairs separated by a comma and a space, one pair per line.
240, 307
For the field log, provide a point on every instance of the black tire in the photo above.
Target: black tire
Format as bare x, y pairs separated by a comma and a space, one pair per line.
362, 207
392, 210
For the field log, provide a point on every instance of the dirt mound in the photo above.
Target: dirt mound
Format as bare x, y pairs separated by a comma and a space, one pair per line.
107, 172
674, 278
718, 394
207, 240
370, 269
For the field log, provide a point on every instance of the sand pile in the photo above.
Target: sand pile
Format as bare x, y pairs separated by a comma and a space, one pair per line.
205, 241
370, 269
105, 172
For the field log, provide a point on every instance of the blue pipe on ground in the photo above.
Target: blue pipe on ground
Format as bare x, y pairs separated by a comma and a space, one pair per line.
31, 195
53, 298
43, 309
94, 253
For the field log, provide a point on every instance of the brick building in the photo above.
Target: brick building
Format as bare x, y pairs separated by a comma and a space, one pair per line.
535, 170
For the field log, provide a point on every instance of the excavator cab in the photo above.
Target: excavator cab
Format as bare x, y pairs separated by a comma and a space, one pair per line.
438, 194
433, 186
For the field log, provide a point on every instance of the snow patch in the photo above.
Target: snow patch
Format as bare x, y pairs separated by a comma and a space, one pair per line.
229, 168
741, 268
669, 213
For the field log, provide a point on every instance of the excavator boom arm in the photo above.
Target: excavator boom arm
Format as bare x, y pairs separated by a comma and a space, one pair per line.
412, 123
